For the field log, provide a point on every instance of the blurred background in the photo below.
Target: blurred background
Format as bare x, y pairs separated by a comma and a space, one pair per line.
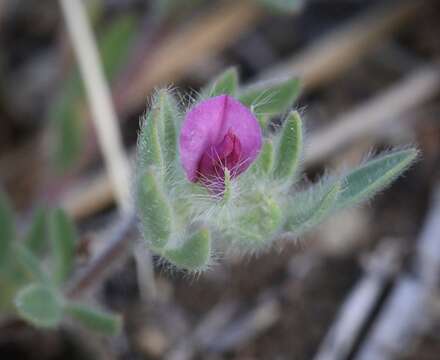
356, 288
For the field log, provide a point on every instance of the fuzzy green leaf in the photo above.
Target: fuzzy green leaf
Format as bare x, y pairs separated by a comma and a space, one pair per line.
154, 210
39, 305
282, 6
225, 83
35, 238
263, 120
96, 320
31, 265
63, 237
115, 42
195, 252
167, 113
264, 163
310, 208
270, 99
365, 181
9, 289
7, 228
258, 224
289, 148
149, 147
66, 125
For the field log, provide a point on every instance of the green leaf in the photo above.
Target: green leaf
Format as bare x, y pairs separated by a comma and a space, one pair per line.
39, 305
96, 320
30, 264
282, 6
9, 289
224, 84
154, 210
365, 181
63, 237
257, 225
7, 228
167, 113
289, 148
270, 98
311, 207
264, 163
115, 42
149, 147
263, 120
194, 253
36, 236
66, 125
157, 142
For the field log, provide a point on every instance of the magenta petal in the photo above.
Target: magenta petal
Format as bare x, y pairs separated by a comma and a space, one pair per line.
218, 132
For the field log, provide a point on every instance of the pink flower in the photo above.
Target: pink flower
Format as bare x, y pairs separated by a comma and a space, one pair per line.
218, 133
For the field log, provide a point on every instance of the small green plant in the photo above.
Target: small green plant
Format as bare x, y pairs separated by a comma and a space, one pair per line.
32, 284
215, 179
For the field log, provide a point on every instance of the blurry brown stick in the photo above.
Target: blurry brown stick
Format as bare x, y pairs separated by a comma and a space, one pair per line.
427, 262
223, 329
99, 96
317, 64
360, 304
334, 53
408, 310
180, 51
248, 326
107, 126
116, 248
210, 326
378, 113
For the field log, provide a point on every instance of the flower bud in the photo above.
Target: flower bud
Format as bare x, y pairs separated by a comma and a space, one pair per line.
217, 134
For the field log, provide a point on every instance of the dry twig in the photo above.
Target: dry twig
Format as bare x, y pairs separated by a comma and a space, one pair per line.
181, 50
116, 246
356, 311
405, 313
107, 126
343, 47
104, 115
376, 114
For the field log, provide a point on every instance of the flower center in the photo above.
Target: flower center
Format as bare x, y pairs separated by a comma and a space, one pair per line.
226, 154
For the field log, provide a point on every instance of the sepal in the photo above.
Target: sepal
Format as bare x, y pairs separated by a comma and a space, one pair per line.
194, 253
289, 149
155, 211
270, 99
